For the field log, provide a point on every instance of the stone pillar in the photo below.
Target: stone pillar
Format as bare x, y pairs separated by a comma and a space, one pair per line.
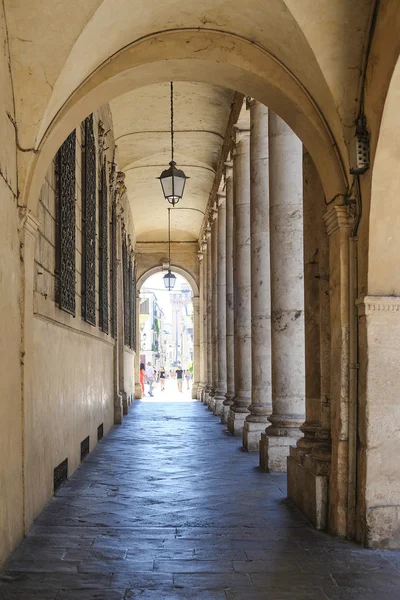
120, 328
261, 389
287, 296
230, 353
214, 305
209, 391
309, 461
242, 283
220, 395
205, 319
138, 387
196, 345
339, 225
201, 385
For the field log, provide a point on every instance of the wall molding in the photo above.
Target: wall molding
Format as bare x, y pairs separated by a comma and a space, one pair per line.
373, 304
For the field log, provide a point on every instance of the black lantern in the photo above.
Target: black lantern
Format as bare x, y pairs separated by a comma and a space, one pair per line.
172, 180
169, 280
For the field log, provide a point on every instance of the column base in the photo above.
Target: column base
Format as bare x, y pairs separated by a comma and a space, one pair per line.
252, 435
274, 451
226, 406
200, 390
218, 404
308, 491
195, 390
118, 412
235, 422
124, 402
138, 391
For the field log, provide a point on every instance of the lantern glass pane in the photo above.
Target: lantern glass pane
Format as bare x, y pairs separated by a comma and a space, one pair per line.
166, 183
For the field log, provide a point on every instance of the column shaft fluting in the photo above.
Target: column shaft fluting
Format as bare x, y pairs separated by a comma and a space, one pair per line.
242, 284
209, 322
287, 295
214, 305
201, 317
221, 305
230, 342
261, 390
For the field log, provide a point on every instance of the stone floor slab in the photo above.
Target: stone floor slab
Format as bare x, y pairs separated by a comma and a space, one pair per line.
167, 507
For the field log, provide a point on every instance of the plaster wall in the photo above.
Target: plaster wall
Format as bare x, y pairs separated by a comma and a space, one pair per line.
72, 367
11, 504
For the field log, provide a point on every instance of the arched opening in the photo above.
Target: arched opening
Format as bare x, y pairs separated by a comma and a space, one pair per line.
167, 339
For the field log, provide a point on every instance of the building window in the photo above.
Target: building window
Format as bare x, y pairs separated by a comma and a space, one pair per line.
88, 221
103, 249
65, 171
113, 279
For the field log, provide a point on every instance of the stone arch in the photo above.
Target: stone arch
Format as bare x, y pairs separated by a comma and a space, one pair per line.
174, 268
384, 218
207, 56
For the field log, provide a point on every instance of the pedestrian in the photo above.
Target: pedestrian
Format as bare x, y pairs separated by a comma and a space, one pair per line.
142, 375
188, 376
150, 377
162, 378
179, 377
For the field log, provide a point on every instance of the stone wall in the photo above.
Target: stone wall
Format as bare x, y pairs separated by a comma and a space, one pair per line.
11, 509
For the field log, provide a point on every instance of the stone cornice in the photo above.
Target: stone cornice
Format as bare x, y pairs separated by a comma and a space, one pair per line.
337, 218
373, 304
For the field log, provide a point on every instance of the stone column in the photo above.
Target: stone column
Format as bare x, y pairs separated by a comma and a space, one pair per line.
138, 387
196, 345
287, 296
242, 283
120, 328
230, 353
261, 390
205, 319
214, 305
221, 306
201, 385
209, 320
309, 461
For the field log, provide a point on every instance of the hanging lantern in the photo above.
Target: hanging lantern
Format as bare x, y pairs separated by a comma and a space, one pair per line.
173, 183
169, 280
172, 180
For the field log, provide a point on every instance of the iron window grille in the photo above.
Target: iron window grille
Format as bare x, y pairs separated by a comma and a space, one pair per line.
65, 171
103, 249
88, 221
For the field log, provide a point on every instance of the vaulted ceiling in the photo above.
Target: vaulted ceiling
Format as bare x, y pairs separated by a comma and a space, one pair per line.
142, 134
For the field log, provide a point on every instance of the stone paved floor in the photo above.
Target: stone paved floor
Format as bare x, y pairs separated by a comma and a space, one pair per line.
168, 508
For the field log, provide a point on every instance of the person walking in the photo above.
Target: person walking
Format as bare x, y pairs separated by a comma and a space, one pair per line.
142, 375
188, 377
150, 377
162, 378
179, 377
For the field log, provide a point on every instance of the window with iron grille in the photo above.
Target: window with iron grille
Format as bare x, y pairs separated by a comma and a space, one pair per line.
89, 175
65, 171
113, 282
103, 249
127, 294
133, 310
85, 448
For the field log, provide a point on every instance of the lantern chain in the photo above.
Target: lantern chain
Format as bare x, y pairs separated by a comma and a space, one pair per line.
172, 120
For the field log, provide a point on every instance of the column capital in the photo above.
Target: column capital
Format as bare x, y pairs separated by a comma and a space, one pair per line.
27, 221
200, 255
250, 102
242, 134
337, 218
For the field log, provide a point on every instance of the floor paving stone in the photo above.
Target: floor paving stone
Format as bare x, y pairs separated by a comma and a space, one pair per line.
167, 507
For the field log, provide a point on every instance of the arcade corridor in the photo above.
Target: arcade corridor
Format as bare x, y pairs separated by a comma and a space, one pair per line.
152, 515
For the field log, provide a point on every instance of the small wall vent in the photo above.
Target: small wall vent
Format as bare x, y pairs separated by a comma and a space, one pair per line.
60, 475
84, 448
100, 432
